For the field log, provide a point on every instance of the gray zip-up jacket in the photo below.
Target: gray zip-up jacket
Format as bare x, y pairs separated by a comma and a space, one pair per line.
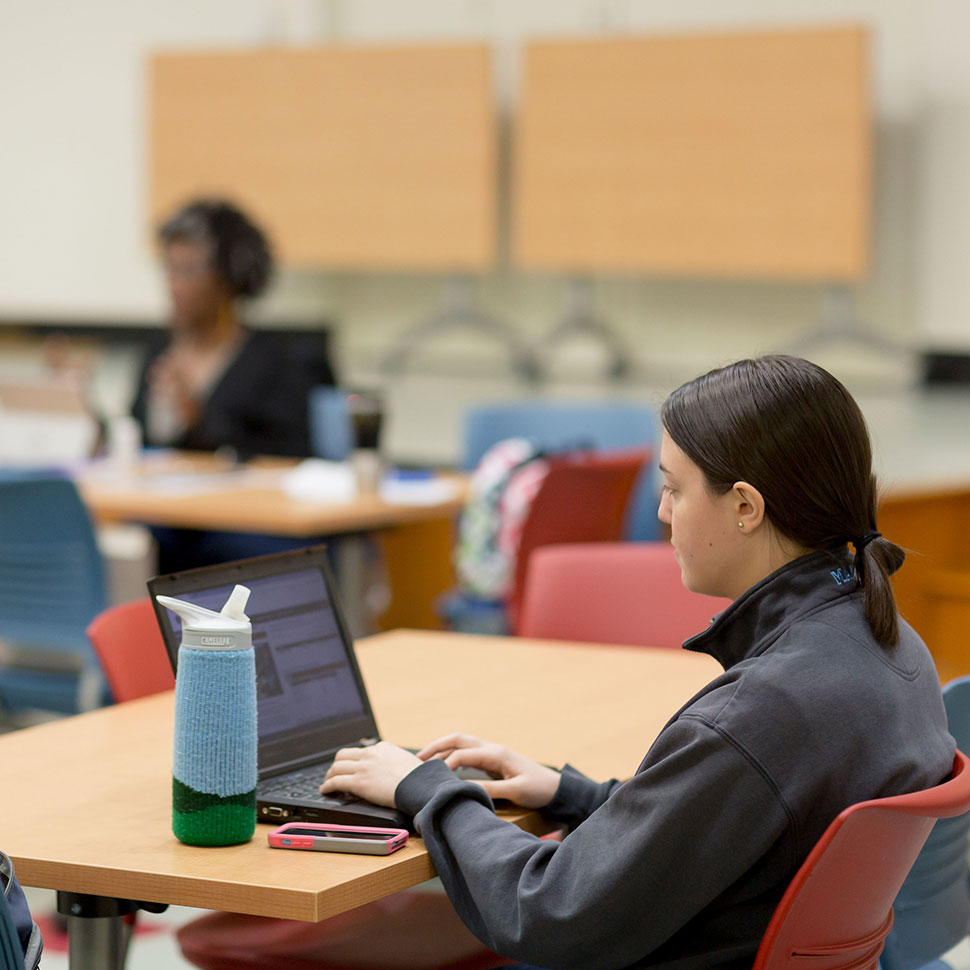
682, 866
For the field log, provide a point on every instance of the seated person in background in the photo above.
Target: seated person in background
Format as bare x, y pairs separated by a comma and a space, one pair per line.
213, 383
827, 698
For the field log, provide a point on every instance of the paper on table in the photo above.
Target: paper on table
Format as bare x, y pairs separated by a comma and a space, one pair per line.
317, 480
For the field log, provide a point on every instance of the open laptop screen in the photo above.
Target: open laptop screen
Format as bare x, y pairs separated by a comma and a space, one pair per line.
311, 697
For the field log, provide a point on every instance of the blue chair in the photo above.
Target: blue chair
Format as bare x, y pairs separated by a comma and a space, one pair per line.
932, 909
51, 587
331, 426
563, 426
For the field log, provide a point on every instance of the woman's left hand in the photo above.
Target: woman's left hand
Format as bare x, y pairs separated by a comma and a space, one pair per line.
373, 772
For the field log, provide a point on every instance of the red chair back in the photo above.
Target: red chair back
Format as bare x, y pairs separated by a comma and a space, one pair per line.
837, 911
584, 498
129, 645
612, 592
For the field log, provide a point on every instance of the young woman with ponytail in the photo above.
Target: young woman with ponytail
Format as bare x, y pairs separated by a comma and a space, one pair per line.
827, 698
786, 434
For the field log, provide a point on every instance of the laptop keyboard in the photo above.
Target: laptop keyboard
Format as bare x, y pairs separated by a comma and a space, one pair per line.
302, 784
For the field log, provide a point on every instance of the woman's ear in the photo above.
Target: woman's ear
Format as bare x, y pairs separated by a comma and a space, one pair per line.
749, 506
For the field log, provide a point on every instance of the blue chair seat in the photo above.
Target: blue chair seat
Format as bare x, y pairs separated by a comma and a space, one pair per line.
932, 909
51, 586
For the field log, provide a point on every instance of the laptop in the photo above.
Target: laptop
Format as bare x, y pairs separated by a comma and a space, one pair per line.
311, 698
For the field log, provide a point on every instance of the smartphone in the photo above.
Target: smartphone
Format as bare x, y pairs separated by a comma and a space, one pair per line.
322, 837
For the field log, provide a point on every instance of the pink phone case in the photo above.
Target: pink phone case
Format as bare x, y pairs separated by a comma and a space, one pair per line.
300, 835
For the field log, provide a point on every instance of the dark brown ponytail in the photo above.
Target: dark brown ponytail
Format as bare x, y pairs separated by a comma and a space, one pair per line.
794, 432
875, 561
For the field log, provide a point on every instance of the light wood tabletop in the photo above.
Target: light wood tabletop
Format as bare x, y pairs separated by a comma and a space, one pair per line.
87, 803
198, 491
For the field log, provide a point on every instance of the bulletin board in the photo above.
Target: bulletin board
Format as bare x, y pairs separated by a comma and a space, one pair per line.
716, 155
351, 157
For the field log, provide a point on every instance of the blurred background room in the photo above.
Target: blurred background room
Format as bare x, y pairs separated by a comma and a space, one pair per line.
80, 205
481, 201
467, 204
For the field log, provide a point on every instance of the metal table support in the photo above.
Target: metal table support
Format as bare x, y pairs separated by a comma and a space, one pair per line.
580, 319
838, 321
97, 932
458, 310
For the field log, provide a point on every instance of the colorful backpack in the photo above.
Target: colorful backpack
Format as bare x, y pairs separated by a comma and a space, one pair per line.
500, 494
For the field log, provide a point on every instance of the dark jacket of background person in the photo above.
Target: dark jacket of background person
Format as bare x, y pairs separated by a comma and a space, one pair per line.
683, 865
259, 405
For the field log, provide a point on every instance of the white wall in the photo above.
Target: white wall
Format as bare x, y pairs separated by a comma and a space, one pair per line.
74, 240
942, 203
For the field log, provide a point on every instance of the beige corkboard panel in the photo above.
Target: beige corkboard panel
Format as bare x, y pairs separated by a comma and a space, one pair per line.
351, 157
726, 155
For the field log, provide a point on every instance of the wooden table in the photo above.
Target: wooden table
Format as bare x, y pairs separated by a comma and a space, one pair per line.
86, 807
199, 491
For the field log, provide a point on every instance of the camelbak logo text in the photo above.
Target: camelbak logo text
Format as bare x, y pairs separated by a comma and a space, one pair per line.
208, 641
841, 576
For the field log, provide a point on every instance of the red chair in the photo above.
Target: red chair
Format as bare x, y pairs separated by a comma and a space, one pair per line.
412, 930
583, 498
612, 592
837, 911
129, 645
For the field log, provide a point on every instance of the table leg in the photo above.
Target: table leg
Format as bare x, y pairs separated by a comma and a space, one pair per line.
97, 942
351, 553
97, 933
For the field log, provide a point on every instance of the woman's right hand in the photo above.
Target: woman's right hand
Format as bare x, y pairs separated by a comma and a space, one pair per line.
514, 777
169, 381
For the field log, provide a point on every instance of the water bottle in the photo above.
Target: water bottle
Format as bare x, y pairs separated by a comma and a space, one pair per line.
214, 765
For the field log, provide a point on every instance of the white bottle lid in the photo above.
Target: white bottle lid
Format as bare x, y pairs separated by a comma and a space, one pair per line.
205, 629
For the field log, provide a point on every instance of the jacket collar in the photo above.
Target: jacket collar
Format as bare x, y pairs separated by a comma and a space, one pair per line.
760, 615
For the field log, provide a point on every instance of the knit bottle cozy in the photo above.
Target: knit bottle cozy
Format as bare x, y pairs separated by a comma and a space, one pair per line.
214, 764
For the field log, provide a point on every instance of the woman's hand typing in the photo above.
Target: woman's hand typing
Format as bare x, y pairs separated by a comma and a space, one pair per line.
514, 777
373, 772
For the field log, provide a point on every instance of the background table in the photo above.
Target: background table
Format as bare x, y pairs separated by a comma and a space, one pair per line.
200, 491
